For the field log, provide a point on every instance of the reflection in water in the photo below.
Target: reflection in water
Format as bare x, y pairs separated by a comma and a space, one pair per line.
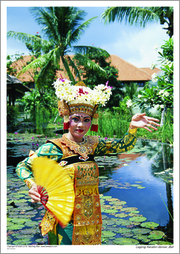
151, 165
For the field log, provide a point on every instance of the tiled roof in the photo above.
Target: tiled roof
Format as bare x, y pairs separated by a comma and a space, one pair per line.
27, 76
127, 71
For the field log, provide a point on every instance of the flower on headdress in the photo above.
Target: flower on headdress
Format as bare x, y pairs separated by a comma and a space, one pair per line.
81, 94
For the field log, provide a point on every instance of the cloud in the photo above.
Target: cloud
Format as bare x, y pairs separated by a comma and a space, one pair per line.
137, 45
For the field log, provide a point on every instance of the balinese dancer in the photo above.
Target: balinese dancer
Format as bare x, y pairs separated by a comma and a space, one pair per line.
75, 152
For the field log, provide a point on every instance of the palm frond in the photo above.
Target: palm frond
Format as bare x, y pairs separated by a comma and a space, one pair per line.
46, 18
87, 63
87, 49
24, 37
109, 15
132, 15
41, 74
75, 36
66, 65
40, 62
73, 65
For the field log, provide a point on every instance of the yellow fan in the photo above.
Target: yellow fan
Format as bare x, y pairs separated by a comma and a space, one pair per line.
55, 187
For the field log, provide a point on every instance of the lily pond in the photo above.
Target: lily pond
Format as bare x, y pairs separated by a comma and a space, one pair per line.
136, 190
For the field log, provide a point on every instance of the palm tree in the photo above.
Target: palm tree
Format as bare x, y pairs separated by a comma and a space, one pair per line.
62, 26
141, 16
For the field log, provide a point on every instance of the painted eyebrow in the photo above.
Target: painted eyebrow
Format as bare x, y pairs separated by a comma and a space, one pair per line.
88, 117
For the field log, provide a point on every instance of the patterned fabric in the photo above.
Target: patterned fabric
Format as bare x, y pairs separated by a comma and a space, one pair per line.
48, 223
23, 168
118, 145
87, 212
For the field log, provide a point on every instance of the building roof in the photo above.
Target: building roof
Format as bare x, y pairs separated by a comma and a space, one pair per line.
151, 71
12, 80
19, 64
126, 71
15, 85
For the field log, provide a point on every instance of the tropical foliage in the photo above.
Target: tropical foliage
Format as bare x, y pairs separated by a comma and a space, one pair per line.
62, 27
141, 16
39, 107
159, 93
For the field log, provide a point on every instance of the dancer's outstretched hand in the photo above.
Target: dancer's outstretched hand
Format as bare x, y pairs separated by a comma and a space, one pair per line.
140, 120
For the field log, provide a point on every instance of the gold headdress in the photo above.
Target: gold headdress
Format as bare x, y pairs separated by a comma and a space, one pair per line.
80, 99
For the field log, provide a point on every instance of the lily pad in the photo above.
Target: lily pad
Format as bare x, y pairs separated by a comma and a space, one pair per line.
110, 222
105, 197
40, 240
126, 241
20, 220
117, 207
31, 223
128, 234
28, 231
138, 219
124, 230
106, 206
110, 211
103, 177
22, 242
151, 225
129, 209
114, 228
104, 216
15, 226
156, 234
141, 231
18, 196
135, 212
142, 238
160, 243
108, 234
9, 219
123, 222
19, 236
120, 203
121, 215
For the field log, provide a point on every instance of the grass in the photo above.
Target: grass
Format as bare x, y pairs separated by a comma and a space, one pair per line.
110, 126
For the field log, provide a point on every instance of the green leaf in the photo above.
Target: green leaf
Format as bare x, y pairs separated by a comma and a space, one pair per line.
108, 234
151, 225
156, 234
125, 241
138, 219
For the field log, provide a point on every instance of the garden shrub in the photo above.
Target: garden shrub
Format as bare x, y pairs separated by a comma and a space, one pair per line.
12, 115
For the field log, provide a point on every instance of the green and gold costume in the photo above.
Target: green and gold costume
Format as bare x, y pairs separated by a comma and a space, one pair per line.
78, 162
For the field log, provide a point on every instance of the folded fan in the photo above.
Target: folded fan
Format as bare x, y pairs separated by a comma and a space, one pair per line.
55, 187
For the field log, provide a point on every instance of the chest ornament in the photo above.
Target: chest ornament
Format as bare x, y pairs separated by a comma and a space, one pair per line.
83, 149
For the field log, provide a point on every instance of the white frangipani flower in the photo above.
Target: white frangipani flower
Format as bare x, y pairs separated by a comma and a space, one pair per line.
154, 77
81, 94
129, 103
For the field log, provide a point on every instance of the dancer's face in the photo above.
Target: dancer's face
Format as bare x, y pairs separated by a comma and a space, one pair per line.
79, 125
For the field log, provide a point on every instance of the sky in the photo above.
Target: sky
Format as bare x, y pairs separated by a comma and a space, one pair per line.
135, 44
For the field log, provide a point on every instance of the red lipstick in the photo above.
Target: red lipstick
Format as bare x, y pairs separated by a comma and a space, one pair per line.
79, 130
